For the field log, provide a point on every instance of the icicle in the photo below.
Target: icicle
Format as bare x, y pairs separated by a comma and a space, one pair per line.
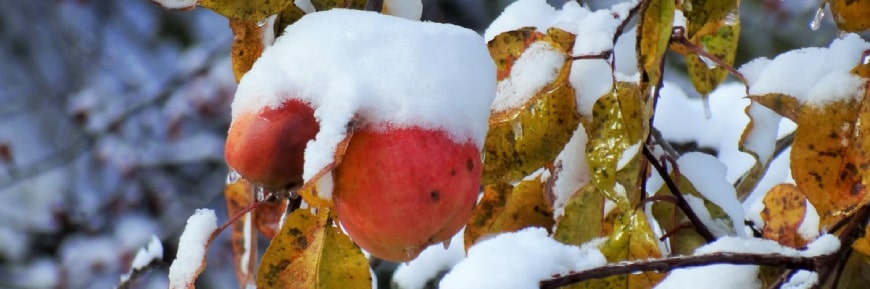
817, 19
262, 23
233, 176
260, 193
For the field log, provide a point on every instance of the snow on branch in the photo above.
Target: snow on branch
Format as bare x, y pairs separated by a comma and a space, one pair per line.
192, 246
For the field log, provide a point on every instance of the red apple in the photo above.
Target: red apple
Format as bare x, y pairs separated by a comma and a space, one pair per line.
267, 147
399, 190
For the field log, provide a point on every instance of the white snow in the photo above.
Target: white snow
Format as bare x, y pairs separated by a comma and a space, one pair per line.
802, 279
380, 70
305, 5
809, 228
522, 13
572, 171
679, 19
430, 262
520, 260
151, 252
740, 276
537, 67
192, 246
840, 85
408, 9
707, 175
177, 4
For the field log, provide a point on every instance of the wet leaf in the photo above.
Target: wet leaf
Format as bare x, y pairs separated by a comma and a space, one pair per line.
823, 162
722, 44
505, 208
244, 241
582, 219
248, 10
632, 239
322, 5
654, 33
784, 211
247, 45
525, 138
608, 140
851, 15
784, 105
267, 217
705, 17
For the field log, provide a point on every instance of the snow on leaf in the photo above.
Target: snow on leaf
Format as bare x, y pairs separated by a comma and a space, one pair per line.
671, 218
583, 217
528, 135
507, 208
784, 210
758, 140
192, 245
322, 5
408, 9
654, 33
782, 104
318, 191
288, 16
851, 15
722, 44
822, 159
244, 240
247, 45
249, 11
331, 260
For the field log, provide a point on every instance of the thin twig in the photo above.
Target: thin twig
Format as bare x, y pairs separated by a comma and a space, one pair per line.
679, 36
136, 273
682, 203
662, 265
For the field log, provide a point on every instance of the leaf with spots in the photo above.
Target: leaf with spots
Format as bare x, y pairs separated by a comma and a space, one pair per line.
851, 15
312, 252
654, 33
583, 217
247, 45
828, 157
524, 138
705, 17
784, 211
249, 10
782, 104
507, 208
609, 138
322, 5
722, 44
267, 216
244, 240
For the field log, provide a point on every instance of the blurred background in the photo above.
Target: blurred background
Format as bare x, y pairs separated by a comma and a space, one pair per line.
113, 116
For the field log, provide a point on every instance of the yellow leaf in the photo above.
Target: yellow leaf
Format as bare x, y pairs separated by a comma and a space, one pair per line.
784, 105
505, 208
608, 139
312, 252
244, 242
525, 138
862, 245
582, 219
248, 10
784, 211
822, 159
722, 44
322, 5
247, 45
654, 33
851, 15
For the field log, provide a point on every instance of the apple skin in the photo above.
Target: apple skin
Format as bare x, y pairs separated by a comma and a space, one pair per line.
397, 191
268, 147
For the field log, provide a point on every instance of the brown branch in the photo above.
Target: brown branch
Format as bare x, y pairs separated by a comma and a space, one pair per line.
662, 265
604, 55
681, 201
853, 230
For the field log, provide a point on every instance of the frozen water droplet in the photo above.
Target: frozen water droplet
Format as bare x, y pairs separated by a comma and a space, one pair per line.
262, 23
518, 129
866, 58
733, 17
446, 244
709, 62
233, 176
409, 252
817, 20
260, 193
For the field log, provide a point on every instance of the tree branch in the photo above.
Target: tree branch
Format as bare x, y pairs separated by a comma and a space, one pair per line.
681, 201
790, 262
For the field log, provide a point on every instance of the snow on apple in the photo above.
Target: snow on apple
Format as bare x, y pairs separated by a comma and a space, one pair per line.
407, 101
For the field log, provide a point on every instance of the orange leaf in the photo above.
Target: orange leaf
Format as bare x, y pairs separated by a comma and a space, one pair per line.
505, 208
247, 45
267, 217
244, 241
784, 211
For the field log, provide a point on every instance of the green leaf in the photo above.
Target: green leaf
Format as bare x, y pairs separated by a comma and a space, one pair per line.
723, 45
505, 208
608, 139
704, 17
583, 217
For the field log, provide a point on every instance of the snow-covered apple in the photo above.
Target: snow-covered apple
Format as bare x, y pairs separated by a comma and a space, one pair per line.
398, 190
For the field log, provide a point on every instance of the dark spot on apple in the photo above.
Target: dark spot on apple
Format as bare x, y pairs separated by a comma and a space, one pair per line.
469, 165
452, 172
435, 195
